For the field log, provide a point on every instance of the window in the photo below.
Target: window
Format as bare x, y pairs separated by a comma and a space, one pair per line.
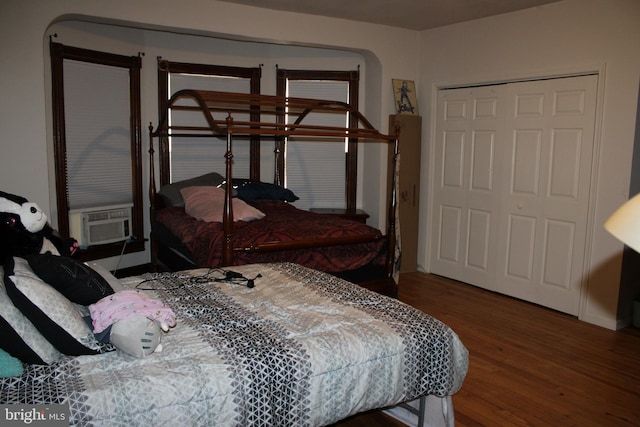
196, 156
322, 173
97, 139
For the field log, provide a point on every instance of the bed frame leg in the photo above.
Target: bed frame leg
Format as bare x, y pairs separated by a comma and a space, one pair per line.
420, 411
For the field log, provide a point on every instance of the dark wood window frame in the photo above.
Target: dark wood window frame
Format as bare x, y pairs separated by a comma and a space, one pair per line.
351, 161
254, 74
59, 53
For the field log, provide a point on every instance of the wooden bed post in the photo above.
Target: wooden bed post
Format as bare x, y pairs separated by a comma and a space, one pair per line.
152, 174
227, 216
152, 202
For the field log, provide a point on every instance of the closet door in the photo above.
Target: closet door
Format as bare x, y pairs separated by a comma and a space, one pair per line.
511, 193
466, 190
549, 129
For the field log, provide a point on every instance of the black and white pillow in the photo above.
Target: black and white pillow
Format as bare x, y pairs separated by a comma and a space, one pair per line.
19, 337
73, 279
58, 319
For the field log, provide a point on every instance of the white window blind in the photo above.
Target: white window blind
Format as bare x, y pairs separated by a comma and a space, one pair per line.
98, 134
192, 157
315, 170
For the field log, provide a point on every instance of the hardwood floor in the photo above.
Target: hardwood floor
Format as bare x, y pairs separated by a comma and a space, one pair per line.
528, 365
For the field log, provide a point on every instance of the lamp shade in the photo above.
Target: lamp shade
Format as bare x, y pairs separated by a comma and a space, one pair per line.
624, 224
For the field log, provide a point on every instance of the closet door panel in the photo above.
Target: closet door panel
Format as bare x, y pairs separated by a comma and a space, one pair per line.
466, 184
552, 123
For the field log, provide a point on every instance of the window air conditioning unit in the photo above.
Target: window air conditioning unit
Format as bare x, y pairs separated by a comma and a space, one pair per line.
100, 225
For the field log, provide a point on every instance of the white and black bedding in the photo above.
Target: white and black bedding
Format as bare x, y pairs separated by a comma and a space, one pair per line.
300, 348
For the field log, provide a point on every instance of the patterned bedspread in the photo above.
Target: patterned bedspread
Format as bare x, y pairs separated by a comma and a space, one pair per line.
301, 348
282, 223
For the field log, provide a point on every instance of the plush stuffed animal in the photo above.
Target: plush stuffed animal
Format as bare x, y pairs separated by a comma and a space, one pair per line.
25, 233
132, 321
24, 230
135, 321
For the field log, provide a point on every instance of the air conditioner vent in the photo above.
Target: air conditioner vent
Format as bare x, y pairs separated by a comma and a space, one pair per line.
100, 225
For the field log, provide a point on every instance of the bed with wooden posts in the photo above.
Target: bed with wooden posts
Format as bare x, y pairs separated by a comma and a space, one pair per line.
263, 225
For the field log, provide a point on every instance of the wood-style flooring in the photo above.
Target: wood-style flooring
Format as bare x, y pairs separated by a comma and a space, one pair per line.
528, 365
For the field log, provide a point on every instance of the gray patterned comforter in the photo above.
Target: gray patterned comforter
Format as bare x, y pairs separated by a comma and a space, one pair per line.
301, 348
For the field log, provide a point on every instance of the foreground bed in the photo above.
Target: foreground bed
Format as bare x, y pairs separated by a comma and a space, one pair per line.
301, 348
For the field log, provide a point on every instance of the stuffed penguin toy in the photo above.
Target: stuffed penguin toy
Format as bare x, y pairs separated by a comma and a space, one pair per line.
24, 230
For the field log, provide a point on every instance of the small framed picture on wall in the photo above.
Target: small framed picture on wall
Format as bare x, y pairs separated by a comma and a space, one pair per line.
404, 94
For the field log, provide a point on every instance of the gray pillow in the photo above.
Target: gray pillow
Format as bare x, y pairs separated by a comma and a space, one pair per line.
171, 193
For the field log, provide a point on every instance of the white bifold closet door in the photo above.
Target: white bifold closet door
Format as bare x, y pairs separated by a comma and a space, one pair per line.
511, 188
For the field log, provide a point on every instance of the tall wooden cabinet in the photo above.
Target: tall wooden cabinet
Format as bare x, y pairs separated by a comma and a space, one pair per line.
409, 186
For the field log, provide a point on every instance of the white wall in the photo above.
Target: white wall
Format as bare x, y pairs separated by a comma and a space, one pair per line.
568, 37
25, 112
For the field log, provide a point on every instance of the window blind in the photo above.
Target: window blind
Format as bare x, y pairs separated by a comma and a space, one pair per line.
192, 157
315, 170
98, 134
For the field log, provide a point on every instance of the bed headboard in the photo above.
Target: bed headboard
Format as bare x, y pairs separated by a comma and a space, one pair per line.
266, 115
